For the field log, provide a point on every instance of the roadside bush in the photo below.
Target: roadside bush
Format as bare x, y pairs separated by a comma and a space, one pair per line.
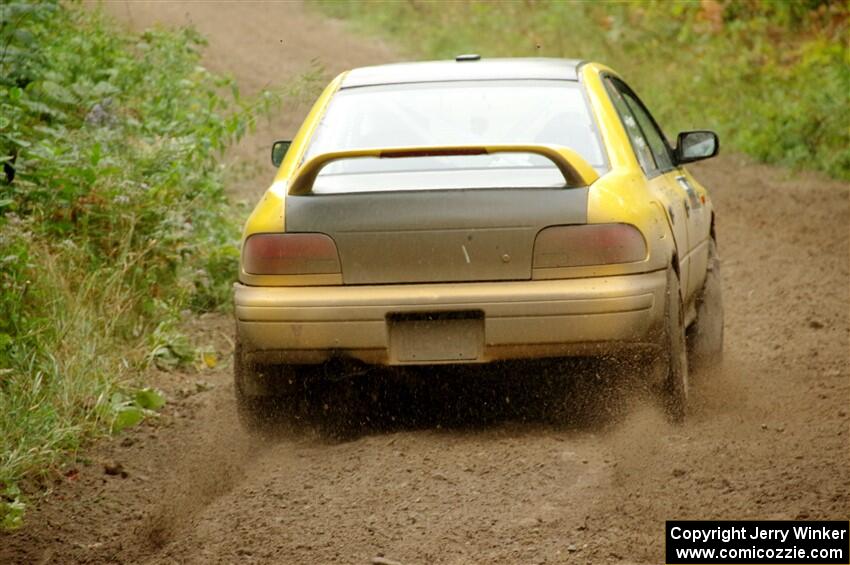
772, 77
113, 220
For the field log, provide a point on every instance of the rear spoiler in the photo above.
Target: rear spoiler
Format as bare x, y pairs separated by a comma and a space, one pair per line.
576, 171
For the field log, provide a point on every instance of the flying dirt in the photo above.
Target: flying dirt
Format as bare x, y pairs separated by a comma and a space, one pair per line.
560, 461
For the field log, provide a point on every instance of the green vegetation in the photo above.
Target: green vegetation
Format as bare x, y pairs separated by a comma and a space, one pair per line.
772, 78
113, 221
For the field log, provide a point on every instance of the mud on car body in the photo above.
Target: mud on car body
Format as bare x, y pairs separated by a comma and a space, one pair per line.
471, 211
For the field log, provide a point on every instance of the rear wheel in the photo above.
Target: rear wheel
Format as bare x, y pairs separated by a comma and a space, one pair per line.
705, 337
674, 355
265, 394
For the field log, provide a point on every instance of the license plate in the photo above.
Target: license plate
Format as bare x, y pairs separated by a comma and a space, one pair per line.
424, 340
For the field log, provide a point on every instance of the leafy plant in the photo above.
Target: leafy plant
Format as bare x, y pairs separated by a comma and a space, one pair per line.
170, 348
128, 411
12, 507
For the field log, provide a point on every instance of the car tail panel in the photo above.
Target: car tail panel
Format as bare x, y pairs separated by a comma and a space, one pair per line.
436, 235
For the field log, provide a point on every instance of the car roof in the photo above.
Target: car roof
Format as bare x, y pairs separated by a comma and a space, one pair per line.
483, 69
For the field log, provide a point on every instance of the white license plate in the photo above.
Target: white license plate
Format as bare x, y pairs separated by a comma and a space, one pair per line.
425, 340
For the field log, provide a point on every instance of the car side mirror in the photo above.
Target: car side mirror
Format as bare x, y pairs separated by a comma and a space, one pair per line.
696, 145
279, 149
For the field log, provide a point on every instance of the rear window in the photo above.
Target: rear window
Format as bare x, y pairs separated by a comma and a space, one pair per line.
454, 113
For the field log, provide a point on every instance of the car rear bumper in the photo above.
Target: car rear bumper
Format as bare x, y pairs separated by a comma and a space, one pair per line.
511, 320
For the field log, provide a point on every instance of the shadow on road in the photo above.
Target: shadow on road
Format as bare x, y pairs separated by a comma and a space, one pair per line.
575, 393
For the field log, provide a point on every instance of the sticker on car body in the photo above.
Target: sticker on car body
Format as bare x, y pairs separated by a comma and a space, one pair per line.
693, 199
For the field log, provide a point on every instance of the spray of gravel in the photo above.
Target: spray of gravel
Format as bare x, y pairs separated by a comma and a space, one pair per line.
209, 465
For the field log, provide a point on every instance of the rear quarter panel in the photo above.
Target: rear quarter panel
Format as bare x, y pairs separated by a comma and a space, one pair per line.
623, 194
269, 214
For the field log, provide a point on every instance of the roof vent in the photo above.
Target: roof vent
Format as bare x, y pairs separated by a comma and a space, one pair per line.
468, 57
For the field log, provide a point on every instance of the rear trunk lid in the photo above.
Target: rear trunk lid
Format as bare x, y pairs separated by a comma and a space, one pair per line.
445, 235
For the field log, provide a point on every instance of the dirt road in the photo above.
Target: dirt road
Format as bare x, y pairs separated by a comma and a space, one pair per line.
466, 468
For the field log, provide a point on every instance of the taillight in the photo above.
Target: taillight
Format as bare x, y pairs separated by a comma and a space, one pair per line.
592, 244
290, 254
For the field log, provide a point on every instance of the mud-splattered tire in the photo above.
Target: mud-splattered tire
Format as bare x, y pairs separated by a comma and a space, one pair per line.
674, 354
255, 410
705, 336
266, 395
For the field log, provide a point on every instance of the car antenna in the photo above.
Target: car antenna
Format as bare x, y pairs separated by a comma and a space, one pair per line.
468, 57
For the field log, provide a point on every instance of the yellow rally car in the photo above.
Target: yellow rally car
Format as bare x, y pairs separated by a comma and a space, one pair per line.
475, 210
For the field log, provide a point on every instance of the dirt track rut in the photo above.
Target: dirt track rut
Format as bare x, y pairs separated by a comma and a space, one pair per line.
467, 468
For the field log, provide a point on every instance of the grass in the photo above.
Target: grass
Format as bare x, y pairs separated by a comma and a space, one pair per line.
773, 78
113, 222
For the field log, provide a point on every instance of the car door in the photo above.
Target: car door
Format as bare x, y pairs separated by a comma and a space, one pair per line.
656, 160
699, 228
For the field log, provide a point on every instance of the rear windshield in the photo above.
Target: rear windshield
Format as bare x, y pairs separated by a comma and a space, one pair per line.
454, 113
